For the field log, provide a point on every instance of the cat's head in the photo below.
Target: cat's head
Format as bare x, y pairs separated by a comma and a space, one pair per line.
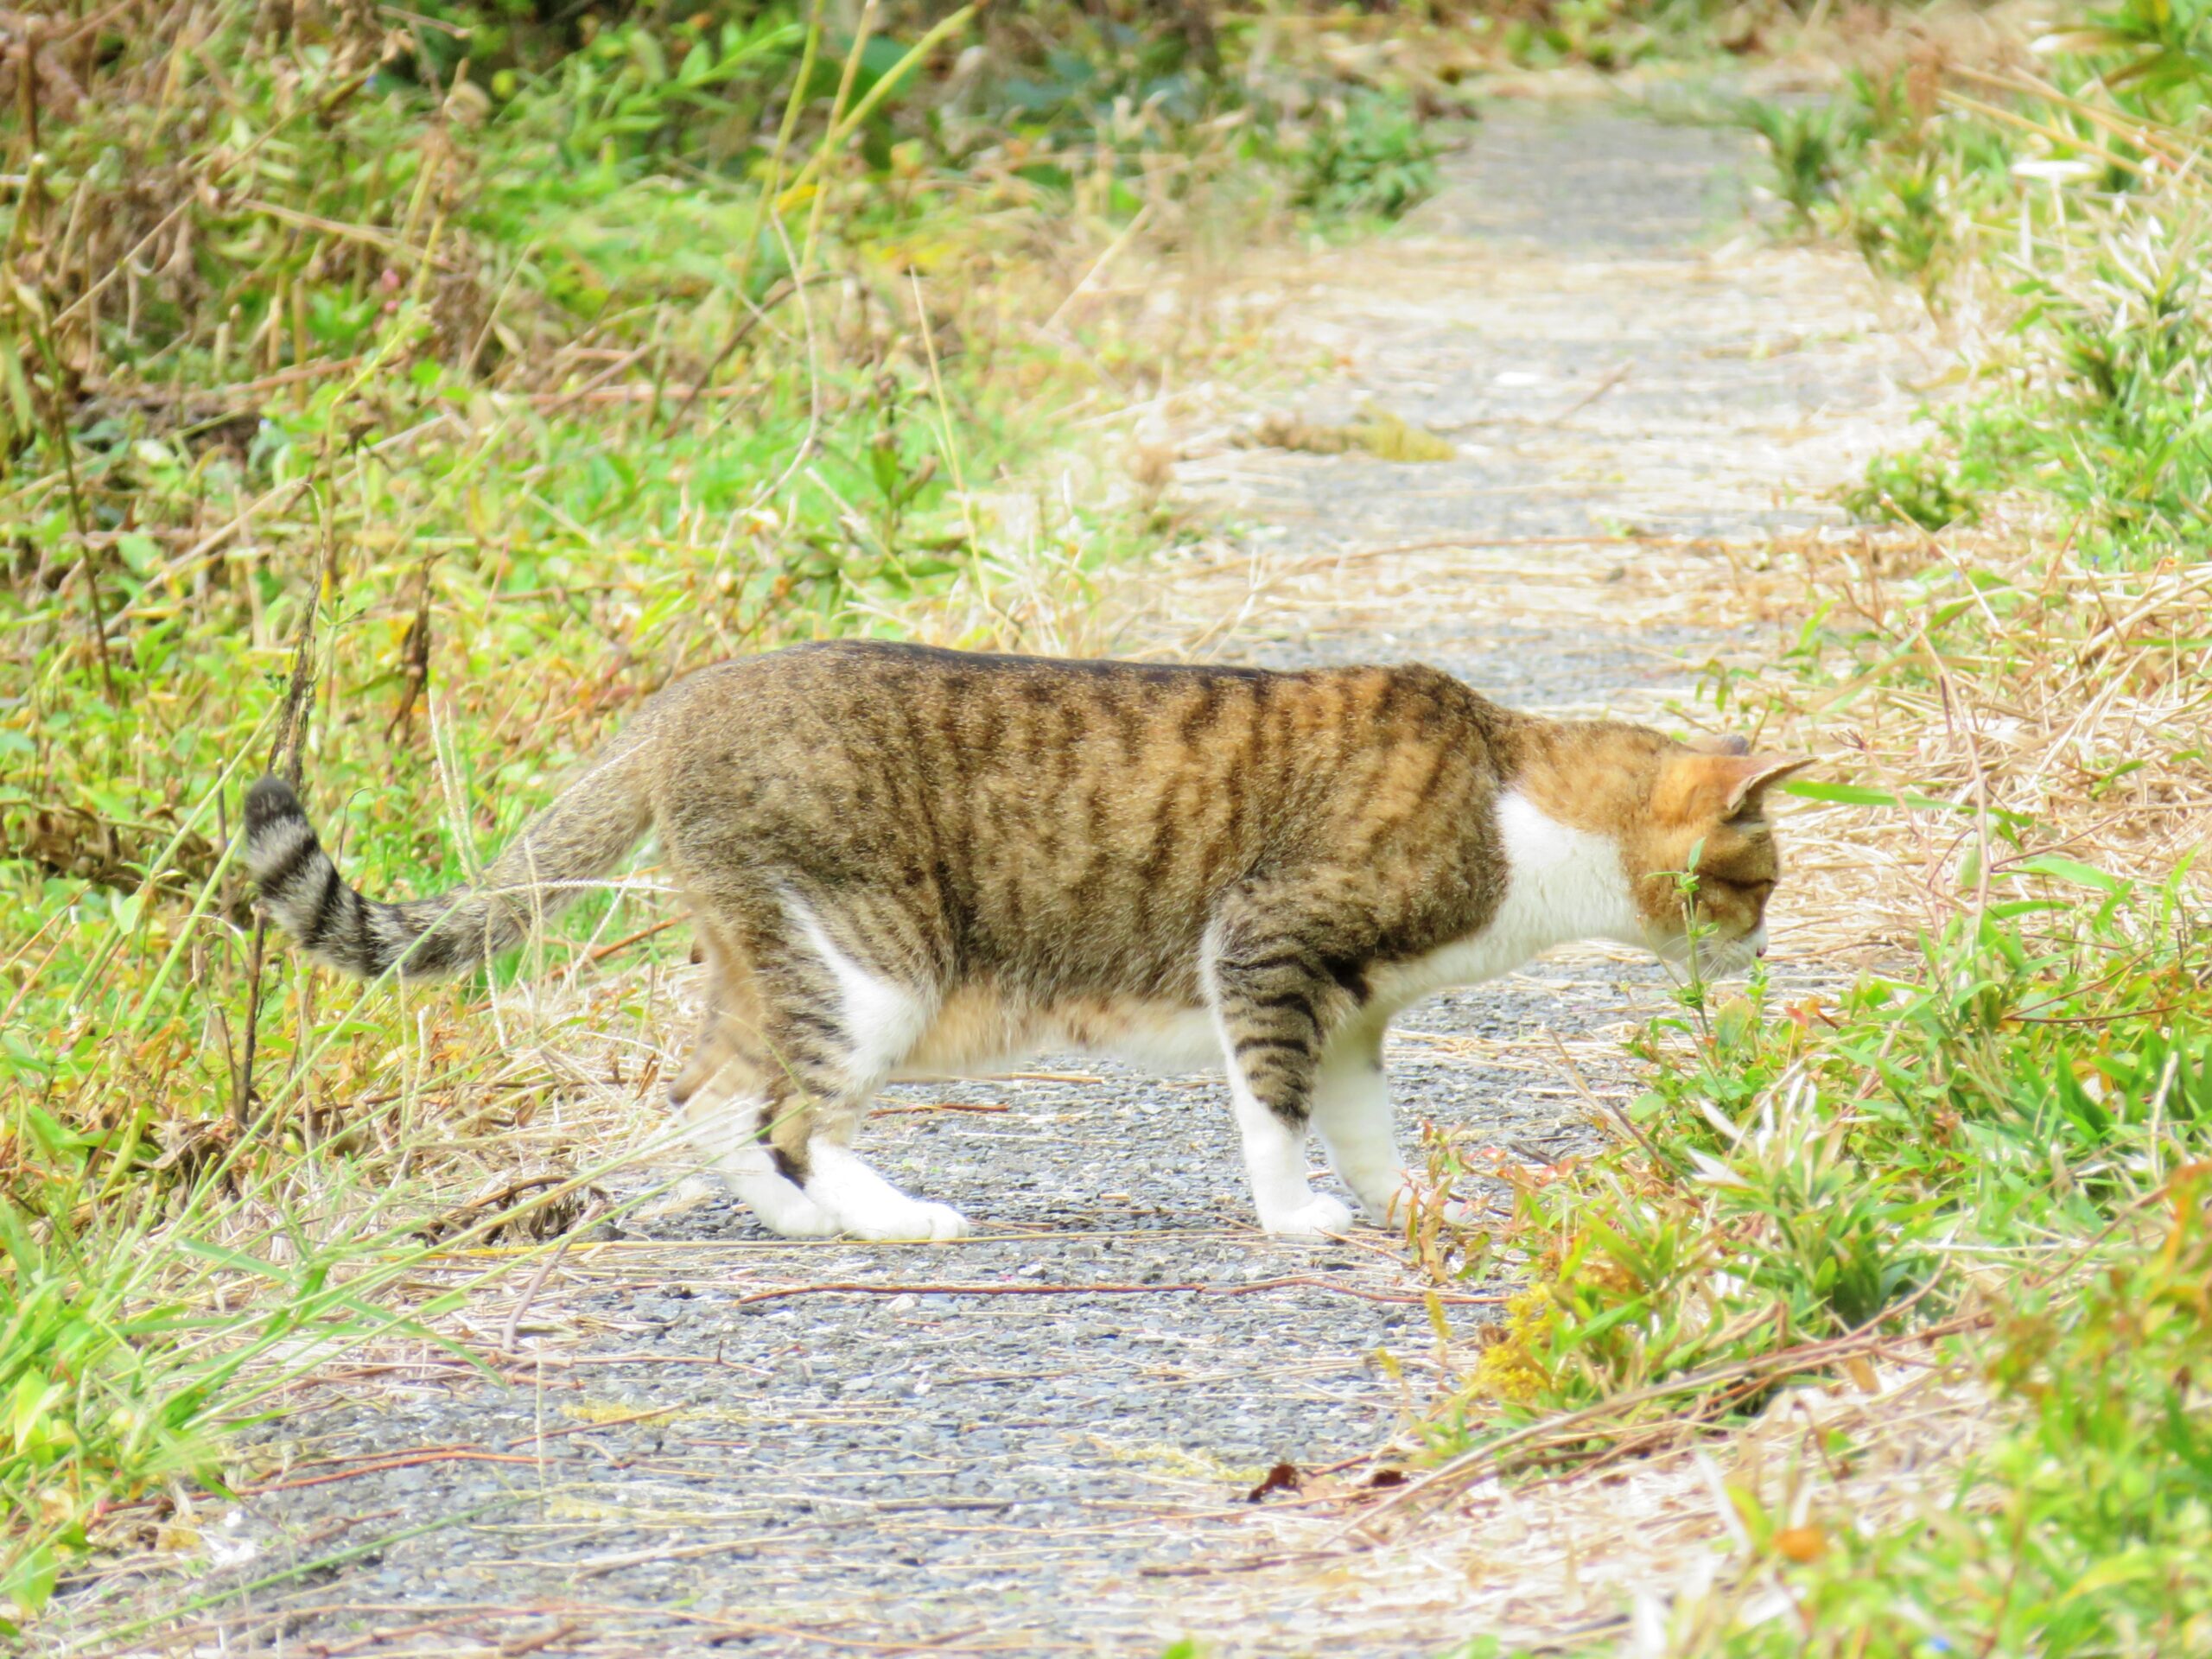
1702, 847
1687, 821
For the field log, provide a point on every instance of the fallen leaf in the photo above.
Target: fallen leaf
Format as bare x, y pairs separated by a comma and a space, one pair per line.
1801, 1544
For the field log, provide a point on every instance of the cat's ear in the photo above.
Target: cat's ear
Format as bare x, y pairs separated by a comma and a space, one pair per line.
1701, 788
1760, 774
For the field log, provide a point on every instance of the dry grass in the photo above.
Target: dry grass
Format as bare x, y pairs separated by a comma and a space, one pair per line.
2068, 697
1604, 1558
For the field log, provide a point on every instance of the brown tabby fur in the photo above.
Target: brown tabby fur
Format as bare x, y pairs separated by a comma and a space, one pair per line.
1038, 849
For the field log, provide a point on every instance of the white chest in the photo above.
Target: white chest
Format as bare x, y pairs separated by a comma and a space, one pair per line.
1562, 884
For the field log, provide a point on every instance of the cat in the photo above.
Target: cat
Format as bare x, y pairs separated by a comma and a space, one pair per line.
906, 862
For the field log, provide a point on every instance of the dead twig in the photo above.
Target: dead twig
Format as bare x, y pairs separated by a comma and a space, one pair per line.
1306, 1281
937, 1106
538, 1280
1458, 1472
1591, 396
414, 1460
601, 953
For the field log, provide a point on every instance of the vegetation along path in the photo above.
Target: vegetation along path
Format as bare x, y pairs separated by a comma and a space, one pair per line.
1042, 1439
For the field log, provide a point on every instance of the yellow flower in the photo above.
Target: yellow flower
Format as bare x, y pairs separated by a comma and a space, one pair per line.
1509, 1369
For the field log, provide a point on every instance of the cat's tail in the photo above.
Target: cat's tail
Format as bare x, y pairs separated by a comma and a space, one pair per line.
560, 855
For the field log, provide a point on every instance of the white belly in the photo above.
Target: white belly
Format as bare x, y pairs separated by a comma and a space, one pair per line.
977, 1033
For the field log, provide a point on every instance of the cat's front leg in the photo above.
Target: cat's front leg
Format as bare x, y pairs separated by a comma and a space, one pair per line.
1351, 1109
867, 1206
1274, 1159
727, 1128
1268, 1005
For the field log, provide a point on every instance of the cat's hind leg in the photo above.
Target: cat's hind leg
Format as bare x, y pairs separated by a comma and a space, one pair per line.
835, 1024
721, 1097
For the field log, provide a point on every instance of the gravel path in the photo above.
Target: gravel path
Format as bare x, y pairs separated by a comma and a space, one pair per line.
692, 1463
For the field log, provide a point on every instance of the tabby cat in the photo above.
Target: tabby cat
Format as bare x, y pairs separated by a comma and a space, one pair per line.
907, 862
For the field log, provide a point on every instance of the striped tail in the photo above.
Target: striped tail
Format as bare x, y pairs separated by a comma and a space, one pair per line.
560, 855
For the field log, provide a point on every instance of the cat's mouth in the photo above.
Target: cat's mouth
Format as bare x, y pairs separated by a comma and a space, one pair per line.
1726, 960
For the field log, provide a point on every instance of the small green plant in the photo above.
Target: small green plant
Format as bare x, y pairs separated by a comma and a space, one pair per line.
1809, 151
1370, 156
1781, 1189
1902, 221
1919, 486
96, 1405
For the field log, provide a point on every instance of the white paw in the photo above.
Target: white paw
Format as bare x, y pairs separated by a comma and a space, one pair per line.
867, 1206
1317, 1214
912, 1218
790, 1213
750, 1172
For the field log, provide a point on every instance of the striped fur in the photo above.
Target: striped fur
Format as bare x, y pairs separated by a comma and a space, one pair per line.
560, 855
905, 861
